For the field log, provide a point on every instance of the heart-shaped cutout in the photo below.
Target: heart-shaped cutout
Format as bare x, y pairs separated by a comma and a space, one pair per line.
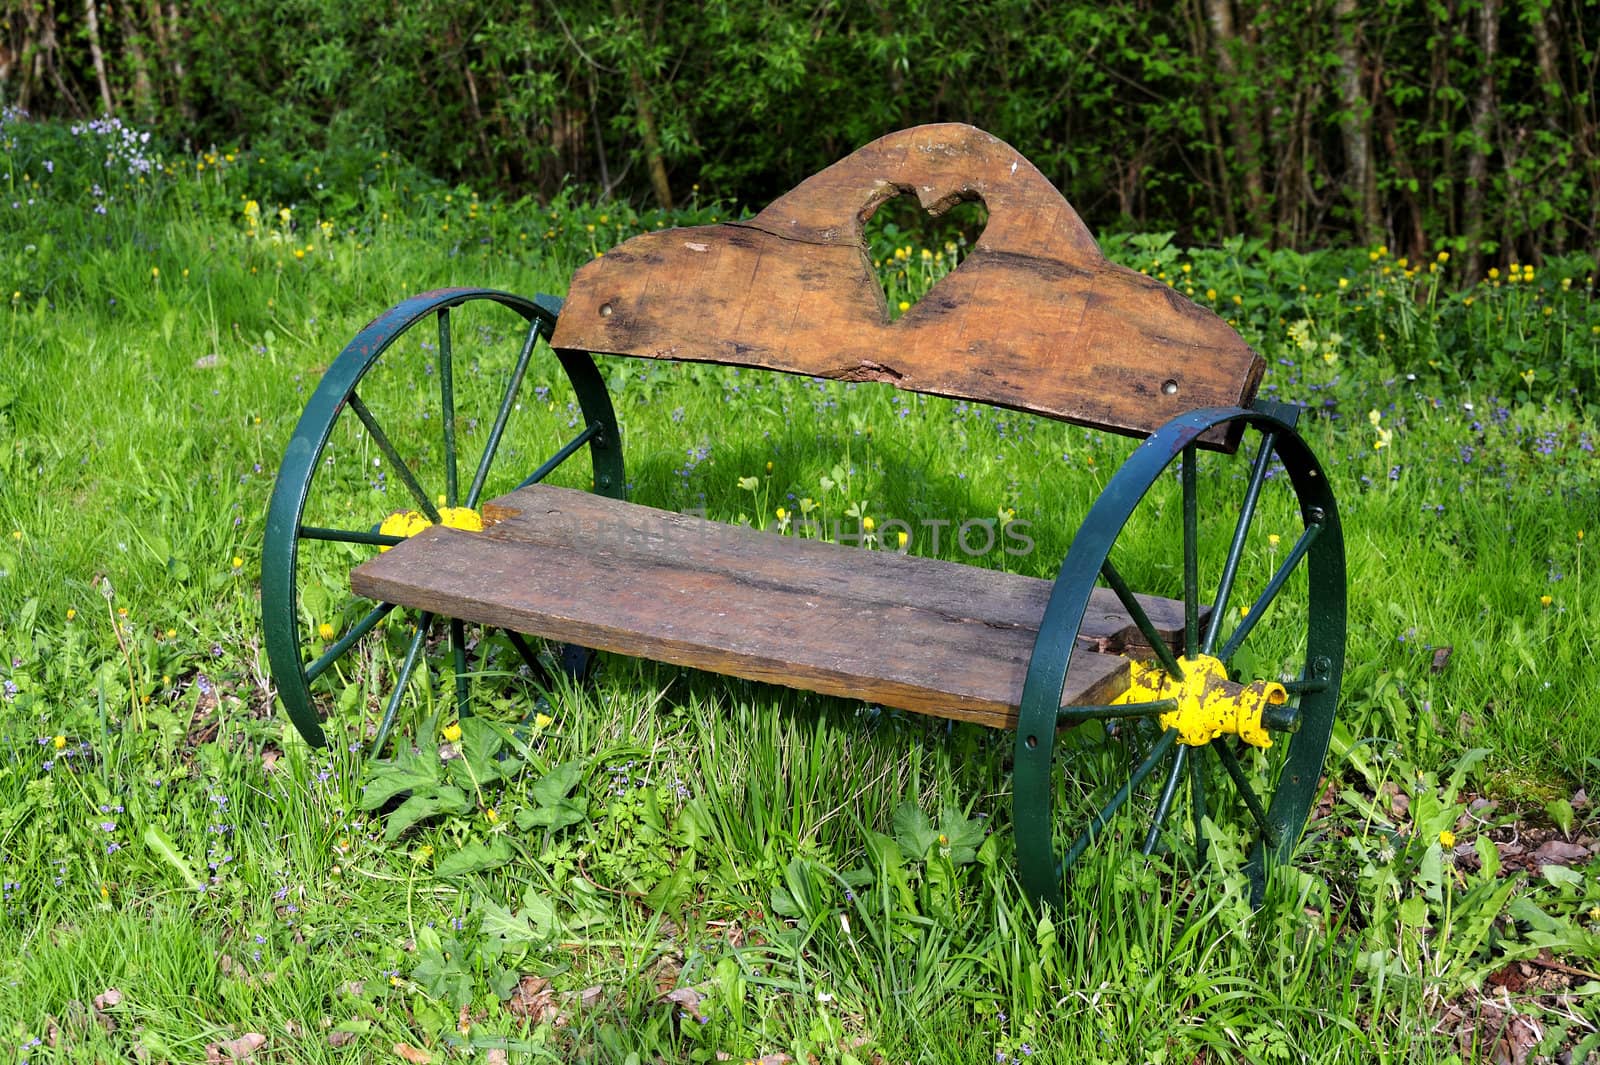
913, 250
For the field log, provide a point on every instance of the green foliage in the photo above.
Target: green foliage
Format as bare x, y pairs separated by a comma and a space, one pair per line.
806, 876
1415, 121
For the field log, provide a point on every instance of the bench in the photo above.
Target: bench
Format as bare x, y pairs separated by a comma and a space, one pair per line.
1035, 319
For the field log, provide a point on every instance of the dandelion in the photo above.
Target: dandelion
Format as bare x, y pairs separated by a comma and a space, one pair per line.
902, 538
451, 732
749, 484
238, 563
1272, 540
905, 306
59, 742
867, 524
1545, 601
1244, 611
1447, 838
325, 631
155, 271
542, 721
491, 815
284, 214
1344, 282
1443, 257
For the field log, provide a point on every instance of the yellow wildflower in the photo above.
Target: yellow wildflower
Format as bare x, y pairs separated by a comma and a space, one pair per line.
1545, 601
451, 732
1447, 838
542, 721
237, 562
492, 815
902, 537
59, 742
326, 632
71, 613
1272, 539
867, 524
905, 305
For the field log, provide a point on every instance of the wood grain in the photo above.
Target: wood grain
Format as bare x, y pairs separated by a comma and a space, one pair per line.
1035, 319
919, 634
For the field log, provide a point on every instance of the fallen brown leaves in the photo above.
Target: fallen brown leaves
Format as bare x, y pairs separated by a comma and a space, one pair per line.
534, 1001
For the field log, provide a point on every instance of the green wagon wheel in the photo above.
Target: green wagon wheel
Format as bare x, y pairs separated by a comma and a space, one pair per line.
1256, 554
433, 406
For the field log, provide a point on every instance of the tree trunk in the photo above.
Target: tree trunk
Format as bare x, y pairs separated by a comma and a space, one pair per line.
1222, 181
1225, 40
1355, 122
143, 94
1482, 122
91, 18
647, 125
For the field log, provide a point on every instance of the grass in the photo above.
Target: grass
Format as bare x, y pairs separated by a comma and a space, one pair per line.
772, 857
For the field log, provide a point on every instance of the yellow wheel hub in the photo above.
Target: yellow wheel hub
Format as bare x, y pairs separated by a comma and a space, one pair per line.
1209, 704
409, 522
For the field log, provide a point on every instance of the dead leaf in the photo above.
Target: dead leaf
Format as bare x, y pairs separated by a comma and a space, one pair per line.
339, 1039
354, 988
1560, 852
407, 1052
688, 1000
240, 1049
108, 998
531, 999
269, 759
498, 1056
1441, 658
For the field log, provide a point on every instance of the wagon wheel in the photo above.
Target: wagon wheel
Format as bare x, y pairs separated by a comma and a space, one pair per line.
1262, 549
434, 408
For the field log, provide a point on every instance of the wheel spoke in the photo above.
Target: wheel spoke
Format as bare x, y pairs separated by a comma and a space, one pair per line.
1230, 568
1102, 817
347, 641
447, 406
492, 445
1070, 715
458, 651
1164, 806
349, 536
561, 456
1197, 806
1230, 762
1258, 609
402, 679
530, 659
1191, 555
1130, 603
401, 470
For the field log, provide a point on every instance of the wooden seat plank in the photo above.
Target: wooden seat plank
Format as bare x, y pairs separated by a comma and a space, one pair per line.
920, 634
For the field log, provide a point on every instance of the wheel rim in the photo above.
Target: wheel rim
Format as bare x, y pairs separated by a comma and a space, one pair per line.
1308, 567
428, 398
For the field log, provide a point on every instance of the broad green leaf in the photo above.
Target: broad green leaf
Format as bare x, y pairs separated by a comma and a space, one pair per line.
913, 830
409, 773
441, 800
158, 842
475, 857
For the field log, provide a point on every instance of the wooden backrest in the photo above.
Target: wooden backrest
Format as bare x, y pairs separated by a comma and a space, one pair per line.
1035, 318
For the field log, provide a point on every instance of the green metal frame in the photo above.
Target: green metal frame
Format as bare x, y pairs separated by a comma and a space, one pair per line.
337, 391
1320, 547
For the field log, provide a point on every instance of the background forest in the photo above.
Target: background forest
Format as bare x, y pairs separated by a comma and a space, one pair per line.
1470, 125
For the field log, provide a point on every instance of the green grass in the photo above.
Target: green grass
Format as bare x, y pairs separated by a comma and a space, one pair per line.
774, 851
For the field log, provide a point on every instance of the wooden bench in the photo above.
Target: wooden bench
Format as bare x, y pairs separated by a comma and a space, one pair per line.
1035, 319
